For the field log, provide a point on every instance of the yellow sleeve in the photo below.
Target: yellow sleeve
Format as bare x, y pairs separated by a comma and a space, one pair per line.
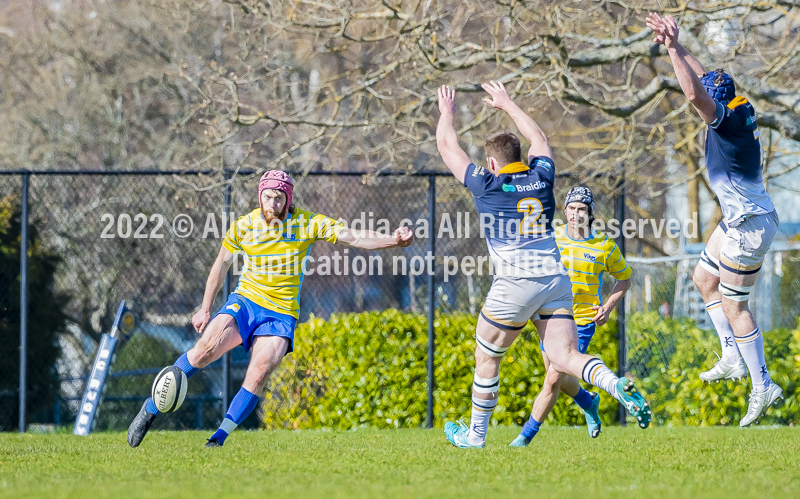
325, 228
616, 264
233, 238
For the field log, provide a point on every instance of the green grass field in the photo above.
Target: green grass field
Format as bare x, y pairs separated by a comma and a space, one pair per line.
562, 462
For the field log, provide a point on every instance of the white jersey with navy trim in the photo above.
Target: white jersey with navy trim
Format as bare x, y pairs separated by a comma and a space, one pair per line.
734, 162
515, 210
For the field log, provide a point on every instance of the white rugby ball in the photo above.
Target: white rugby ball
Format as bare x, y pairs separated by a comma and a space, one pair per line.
169, 389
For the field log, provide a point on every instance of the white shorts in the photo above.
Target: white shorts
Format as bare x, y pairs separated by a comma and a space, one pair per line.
512, 301
746, 245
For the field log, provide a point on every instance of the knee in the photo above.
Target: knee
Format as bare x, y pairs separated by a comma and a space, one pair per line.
487, 357
697, 280
703, 283
553, 379
735, 297
558, 363
486, 365
202, 352
733, 310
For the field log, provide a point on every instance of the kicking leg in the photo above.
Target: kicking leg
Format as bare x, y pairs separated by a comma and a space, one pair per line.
221, 335
266, 356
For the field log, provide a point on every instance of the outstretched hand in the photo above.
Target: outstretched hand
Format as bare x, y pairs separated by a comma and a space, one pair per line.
666, 29
498, 96
447, 100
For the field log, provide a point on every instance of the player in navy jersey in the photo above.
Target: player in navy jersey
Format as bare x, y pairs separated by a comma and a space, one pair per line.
516, 206
733, 255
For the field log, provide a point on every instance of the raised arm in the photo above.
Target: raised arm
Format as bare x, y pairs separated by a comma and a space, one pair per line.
525, 124
687, 67
215, 278
446, 138
367, 239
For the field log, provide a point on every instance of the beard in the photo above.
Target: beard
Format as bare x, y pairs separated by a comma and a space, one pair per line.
272, 217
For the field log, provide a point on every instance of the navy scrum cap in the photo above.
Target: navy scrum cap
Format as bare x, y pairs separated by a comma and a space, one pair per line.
719, 86
580, 195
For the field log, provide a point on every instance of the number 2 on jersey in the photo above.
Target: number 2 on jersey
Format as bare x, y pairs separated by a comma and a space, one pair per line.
532, 208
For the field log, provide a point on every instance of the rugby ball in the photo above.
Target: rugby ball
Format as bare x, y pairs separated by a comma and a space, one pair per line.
169, 389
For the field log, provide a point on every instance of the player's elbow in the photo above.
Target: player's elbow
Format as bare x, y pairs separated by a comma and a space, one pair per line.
538, 141
542, 138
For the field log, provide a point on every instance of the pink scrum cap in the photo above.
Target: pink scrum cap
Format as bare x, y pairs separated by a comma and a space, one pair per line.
278, 180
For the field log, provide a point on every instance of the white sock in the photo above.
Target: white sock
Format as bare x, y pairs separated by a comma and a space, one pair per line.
752, 348
479, 421
727, 341
596, 373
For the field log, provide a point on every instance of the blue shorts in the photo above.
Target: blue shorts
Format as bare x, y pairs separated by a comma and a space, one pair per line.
585, 334
254, 320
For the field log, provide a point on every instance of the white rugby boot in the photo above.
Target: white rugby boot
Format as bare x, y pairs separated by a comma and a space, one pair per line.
759, 402
723, 370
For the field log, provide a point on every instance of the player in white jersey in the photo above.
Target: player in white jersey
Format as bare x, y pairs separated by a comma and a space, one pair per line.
516, 205
733, 255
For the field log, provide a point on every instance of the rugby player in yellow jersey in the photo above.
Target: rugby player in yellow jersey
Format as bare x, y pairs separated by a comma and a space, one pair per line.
262, 312
586, 255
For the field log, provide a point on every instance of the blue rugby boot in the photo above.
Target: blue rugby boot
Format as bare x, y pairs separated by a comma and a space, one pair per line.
593, 423
634, 402
520, 441
456, 434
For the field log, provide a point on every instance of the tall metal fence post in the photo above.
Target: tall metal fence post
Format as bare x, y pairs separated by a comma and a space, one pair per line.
226, 290
431, 294
23, 304
621, 339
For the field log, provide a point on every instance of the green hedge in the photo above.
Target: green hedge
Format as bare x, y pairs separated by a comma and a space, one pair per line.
369, 369
677, 351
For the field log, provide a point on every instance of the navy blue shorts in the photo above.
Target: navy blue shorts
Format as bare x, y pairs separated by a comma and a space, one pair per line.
585, 334
254, 320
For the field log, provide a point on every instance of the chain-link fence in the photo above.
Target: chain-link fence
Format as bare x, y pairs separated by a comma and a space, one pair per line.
663, 286
125, 237
150, 239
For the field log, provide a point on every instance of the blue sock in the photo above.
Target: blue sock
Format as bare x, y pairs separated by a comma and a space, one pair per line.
584, 399
151, 406
241, 406
531, 428
183, 364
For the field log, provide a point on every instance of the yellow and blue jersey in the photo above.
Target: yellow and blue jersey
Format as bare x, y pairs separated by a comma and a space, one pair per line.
586, 260
273, 256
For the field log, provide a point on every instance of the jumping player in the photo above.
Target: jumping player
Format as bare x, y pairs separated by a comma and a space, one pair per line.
733, 255
530, 281
262, 312
586, 255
